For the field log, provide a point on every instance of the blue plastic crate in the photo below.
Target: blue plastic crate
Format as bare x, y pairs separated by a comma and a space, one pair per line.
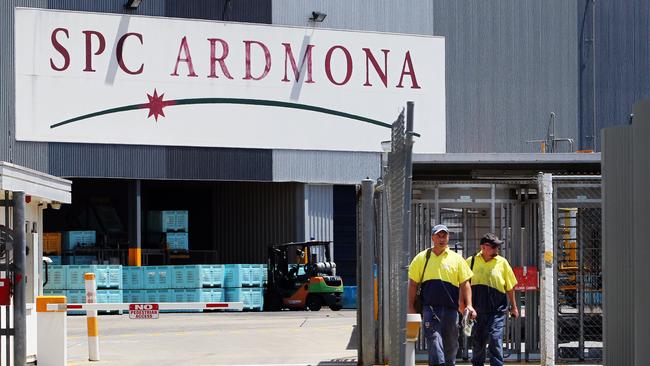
265, 273
164, 221
57, 277
110, 296
110, 277
198, 295
157, 277
217, 275
252, 297
177, 241
76, 297
191, 276
80, 259
133, 296
349, 298
106, 276
72, 239
195, 276
243, 275
155, 296
132, 278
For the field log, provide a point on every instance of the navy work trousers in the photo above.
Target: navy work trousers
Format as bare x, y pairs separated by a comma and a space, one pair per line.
441, 334
488, 330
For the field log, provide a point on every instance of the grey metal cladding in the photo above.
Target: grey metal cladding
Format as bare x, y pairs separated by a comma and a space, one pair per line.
29, 154
219, 163
319, 216
618, 246
251, 11
147, 7
622, 59
158, 162
509, 63
335, 167
412, 17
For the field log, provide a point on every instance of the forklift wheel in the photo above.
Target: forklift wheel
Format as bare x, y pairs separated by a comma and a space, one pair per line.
314, 303
335, 307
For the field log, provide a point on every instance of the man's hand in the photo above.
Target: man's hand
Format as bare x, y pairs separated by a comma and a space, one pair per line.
514, 312
472, 312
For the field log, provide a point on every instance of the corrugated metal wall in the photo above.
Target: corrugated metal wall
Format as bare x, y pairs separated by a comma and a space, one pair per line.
626, 178
255, 215
319, 212
159, 162
618, 249
509, 63
324, 166
641, 217
622, 59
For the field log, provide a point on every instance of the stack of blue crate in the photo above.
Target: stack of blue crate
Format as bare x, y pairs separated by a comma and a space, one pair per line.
187, 283
173, 225
68, 280
244, 283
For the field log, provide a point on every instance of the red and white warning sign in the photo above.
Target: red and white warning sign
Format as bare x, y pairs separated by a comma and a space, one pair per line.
143, 311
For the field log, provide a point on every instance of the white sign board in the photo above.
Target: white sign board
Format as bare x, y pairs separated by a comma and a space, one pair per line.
119, 79
143, 311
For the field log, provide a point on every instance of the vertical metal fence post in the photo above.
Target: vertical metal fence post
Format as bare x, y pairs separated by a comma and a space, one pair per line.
406, 233
580, 291
547, 290
20, 259
366, 280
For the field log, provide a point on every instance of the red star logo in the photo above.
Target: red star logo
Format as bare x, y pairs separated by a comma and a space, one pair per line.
156, 105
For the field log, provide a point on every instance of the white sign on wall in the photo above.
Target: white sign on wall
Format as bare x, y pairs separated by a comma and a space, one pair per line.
105, 78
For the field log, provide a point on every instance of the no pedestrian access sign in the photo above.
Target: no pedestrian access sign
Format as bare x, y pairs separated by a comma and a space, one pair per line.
143, 311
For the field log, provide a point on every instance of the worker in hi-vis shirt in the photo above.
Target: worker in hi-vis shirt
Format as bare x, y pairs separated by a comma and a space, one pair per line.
492, 286
443, 276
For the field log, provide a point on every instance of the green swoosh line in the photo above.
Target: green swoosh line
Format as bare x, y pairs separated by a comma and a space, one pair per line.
270, 103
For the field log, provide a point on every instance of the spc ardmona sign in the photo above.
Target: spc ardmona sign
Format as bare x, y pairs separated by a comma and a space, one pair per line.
119, 79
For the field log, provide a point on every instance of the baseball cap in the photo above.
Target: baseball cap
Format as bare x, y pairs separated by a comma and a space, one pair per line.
491, 240
438, 228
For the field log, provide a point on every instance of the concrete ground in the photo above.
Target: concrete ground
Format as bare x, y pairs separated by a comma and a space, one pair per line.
250, 338
289, 338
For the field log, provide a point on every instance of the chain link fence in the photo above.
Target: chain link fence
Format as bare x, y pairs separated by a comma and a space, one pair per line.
579, 294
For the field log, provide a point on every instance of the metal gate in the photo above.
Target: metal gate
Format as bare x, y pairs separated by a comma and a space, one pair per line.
471, 209
578, 233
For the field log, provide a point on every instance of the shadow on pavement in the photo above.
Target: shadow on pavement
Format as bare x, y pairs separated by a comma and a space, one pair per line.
353, 343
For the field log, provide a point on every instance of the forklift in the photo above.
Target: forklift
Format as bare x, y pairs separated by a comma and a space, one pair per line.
297, 280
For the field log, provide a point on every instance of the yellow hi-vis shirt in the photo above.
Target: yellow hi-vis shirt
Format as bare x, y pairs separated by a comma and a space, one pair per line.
491, 281
442, 278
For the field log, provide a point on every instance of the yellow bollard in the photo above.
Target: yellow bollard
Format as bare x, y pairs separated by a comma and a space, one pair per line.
413, 323
91, 318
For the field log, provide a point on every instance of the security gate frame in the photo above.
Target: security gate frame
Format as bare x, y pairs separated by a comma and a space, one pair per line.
471, 209
577, 207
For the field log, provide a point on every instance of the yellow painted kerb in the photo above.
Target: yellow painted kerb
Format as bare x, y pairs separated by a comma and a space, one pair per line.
93, 329
42, 301
89, 276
